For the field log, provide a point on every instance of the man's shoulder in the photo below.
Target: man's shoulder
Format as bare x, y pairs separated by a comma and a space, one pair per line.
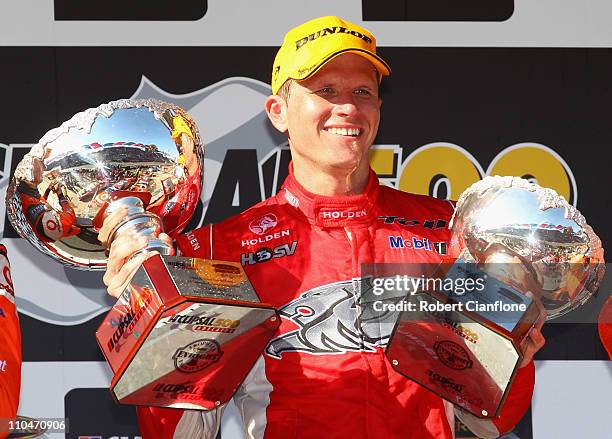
259, 217
396, 201
264, 218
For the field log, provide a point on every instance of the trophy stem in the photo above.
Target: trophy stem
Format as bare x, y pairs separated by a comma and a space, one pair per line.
140, 222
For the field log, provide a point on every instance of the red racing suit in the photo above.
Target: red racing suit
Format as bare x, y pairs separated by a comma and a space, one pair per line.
47, 223
605, 326
10, 346
325, 374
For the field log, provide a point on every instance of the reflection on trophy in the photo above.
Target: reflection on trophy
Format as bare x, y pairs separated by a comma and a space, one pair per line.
141, 152
185, 332
520, 243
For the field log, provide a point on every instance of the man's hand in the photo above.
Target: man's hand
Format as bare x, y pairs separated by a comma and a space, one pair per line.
510, 269
534, 340
122, 264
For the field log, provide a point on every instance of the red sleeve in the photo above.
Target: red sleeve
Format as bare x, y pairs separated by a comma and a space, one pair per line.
157, 422
67, 218
10, 344
518, 399
195, 243
605, 326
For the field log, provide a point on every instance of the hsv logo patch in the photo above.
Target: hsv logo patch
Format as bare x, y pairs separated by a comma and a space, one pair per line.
265, 254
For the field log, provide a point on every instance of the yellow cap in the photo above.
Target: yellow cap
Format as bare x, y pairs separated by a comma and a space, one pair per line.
180, 126
310, 45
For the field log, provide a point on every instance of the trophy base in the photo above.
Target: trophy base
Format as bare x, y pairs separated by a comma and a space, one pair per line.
463, 347
185, 333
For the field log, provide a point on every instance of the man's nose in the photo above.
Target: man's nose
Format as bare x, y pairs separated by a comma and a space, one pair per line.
346, 104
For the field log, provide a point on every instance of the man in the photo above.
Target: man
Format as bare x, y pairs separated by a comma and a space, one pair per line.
47, 223
323, 375
10, 347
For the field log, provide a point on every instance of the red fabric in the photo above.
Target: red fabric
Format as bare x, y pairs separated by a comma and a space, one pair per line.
326, 365
518, 399
10, 345
49, 224
160, 422
178, 209
605, 326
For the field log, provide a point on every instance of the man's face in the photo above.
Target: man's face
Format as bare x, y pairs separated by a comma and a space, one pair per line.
333, 116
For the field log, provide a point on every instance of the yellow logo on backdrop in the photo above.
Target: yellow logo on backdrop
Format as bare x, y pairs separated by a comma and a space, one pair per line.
447, 169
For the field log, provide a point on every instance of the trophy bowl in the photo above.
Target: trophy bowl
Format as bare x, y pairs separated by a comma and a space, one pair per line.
532, 238
145, 154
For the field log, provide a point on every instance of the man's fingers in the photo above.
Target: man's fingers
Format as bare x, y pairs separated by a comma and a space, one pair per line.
167, 240
110, 222
122, 249
121, 263
537, 339
542, 314
116, 283
533, 342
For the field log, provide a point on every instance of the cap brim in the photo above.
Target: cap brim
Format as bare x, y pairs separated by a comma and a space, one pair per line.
379, 63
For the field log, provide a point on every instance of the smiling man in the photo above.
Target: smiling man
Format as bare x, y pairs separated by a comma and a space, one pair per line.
325, 373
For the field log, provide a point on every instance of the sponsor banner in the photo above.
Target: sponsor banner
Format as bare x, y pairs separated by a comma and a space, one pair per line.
436, 23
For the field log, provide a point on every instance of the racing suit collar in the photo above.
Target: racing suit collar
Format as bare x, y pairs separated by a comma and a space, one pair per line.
334, 211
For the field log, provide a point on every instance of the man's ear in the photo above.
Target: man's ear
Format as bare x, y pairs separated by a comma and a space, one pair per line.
276, 108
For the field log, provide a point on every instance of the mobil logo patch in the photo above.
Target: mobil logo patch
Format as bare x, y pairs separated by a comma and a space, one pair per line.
399, 242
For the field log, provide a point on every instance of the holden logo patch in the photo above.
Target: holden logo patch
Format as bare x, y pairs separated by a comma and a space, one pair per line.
261, 224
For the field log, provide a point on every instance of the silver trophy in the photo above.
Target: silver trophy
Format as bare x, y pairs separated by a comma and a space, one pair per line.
186, 331
533, 239
519, 243
146, 154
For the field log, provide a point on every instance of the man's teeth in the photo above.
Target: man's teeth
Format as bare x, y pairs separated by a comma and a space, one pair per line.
344, 131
